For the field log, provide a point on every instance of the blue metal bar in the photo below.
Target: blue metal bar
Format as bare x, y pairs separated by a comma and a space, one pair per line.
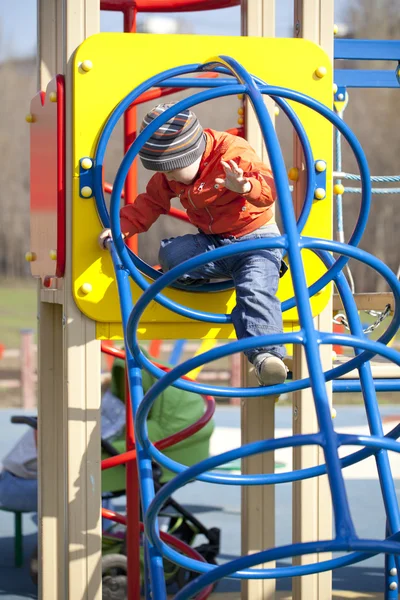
364, 173
376, 444
156, 569
343, 523
348, 386
110, 125
268, 479
177, 352
275, 93
119, 184
370, 401
222, 253
367, 49
366, 78
391, 577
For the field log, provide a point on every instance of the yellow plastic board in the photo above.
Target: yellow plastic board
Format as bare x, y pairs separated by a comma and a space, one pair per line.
120, 62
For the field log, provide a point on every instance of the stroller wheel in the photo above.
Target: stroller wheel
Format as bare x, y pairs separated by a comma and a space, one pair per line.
184, 576
34, 566
114, 577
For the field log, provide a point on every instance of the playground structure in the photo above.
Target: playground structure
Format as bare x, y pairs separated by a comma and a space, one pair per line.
79, 306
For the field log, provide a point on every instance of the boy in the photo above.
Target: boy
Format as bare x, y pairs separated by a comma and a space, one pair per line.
228, 193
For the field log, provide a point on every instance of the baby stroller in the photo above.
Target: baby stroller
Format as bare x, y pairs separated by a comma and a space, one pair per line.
173, 410
178, 521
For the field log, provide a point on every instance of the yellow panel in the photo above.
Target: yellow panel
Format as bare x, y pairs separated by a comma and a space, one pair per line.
116, 71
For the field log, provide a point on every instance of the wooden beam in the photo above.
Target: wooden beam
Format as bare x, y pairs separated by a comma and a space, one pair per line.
367, 301
257, 414
312, 509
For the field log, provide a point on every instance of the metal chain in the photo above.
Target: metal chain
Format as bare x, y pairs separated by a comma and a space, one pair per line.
341, 319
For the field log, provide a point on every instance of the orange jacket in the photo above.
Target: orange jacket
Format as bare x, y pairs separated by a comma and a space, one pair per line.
210, 207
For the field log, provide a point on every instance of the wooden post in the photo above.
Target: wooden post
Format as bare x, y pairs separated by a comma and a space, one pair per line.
27, 370
68, 368
257, 414
312, 510
236, 375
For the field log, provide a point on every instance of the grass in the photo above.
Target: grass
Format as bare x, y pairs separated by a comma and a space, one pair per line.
18, 310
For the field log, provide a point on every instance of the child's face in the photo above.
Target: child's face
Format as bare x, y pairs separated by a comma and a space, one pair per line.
186, 175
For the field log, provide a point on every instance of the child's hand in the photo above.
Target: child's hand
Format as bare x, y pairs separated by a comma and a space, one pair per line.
234, 179
103, 237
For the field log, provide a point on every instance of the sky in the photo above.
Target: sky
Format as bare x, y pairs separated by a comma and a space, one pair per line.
18, 23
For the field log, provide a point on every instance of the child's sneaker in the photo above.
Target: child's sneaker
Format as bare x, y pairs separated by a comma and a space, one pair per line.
271, 371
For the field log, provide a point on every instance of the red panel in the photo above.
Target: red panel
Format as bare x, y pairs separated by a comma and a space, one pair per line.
167, 5
47, 180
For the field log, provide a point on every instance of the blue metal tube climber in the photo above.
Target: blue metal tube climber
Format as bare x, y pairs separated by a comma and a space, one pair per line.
345, 539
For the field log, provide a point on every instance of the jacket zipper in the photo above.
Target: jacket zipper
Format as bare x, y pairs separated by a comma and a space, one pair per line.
209, 214
211, 219
190, 200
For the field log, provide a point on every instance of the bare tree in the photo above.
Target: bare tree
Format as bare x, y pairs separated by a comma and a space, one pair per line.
18, 86
371, 114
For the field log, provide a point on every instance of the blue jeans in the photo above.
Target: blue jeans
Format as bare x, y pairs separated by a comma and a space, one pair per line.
255, 276
18, 494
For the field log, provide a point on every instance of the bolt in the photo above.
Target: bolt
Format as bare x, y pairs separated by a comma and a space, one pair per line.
321, 72
86, 163
86, 65
86, 191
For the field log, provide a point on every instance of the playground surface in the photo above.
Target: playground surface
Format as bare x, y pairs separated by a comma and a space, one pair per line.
221, 507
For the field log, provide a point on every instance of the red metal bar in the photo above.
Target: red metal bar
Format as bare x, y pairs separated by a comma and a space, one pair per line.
236, 131
131, 475
129, 13
155, 348
167, 5
113, 461
176, 213
167, 538
171, 440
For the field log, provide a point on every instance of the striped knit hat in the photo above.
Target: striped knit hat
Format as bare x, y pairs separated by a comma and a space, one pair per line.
176, 144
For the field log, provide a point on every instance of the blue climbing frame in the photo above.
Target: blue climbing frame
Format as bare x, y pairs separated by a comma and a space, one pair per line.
345, 537
368, 50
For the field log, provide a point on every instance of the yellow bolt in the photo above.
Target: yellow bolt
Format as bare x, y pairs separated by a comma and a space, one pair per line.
333, 413
335, 29
319, 194
335, 88
240, 121
240, 111
338, 189
321, 72
86, 288
276, 111
53, 254
293, 174
240, 96
87, 65
53, 97
30, 118
86, 191
86, 163
320, 166
30, 256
